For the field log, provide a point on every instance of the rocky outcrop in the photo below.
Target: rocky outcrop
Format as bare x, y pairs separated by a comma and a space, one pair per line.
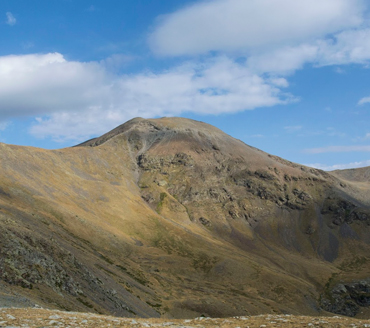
343, 211
347, 299
151, 163
29, 261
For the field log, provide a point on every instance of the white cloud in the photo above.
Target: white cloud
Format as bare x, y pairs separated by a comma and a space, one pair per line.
352, 165
39, 84
279, 82
276, 36
74, 100
337, 149
361, 139
364, 100
347, 47
339, 70
10, 19
283, 60
239, 25
117, 61
350, 46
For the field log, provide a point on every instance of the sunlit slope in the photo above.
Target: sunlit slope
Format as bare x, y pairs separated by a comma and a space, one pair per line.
173, 217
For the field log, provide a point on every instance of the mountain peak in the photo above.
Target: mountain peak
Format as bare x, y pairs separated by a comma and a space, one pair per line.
166, 216
177, 124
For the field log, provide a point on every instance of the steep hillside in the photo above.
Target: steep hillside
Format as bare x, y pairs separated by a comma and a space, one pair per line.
172, 217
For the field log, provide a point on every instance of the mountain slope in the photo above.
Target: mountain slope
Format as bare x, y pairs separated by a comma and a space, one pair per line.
173, 217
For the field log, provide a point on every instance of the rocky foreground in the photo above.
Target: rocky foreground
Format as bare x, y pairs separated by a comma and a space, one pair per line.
32, 318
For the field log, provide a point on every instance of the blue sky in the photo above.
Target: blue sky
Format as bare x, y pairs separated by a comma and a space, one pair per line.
290, 77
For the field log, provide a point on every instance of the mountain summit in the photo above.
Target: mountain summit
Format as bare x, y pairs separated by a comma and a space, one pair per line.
172, 217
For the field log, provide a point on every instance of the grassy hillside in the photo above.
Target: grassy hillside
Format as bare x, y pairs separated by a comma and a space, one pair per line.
173, 218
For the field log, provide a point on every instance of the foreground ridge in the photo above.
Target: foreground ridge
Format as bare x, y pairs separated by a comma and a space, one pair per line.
33, 317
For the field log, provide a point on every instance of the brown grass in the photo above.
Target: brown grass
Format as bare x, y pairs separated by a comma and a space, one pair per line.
36, 318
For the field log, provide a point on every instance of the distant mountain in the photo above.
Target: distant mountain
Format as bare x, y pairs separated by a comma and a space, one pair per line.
172, 217
358, 175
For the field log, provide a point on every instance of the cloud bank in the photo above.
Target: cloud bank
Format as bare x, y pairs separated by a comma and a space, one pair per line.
235, 25
74, 100
276, 36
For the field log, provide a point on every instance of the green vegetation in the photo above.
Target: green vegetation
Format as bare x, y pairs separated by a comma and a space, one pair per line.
169, 242
137, 276
57, 215
204, 262
279, 290
328, 287
121, 267
106, 270
162, 197
106, 259
353, 264
154, 305
86, 303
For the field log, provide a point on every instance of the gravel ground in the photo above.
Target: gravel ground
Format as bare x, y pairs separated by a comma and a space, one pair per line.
32, 318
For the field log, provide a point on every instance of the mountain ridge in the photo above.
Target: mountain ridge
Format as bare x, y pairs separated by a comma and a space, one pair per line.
172, 217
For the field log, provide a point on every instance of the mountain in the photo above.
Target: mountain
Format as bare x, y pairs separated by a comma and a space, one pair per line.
172, 217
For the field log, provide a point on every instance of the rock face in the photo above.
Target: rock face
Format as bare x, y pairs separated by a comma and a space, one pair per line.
347, 299
172, 217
